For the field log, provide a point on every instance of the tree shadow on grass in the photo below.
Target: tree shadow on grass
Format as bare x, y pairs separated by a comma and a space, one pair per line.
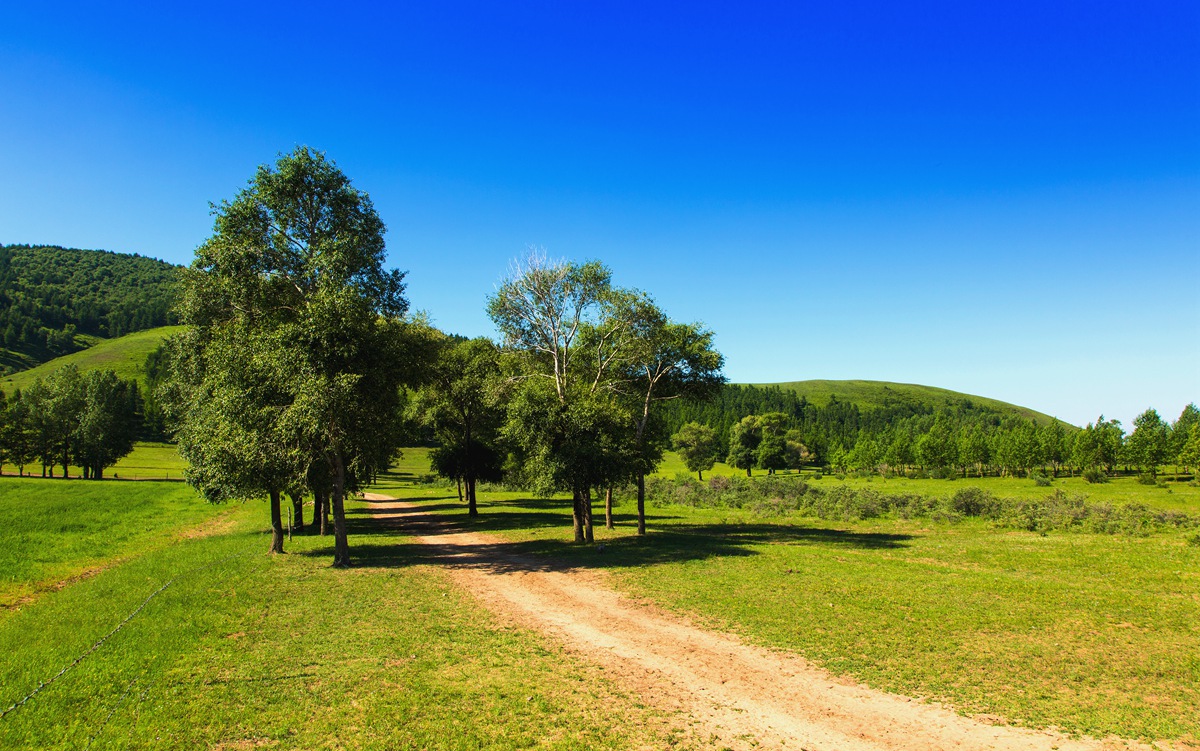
383, 540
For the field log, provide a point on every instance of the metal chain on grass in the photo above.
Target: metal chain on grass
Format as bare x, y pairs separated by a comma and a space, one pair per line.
109, 635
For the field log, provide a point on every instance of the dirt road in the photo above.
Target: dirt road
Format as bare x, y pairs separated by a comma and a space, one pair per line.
746, 696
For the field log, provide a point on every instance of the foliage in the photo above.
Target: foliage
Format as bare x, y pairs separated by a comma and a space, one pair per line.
697, 444
291, 370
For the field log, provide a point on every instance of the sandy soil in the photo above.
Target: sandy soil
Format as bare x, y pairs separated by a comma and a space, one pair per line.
745, 696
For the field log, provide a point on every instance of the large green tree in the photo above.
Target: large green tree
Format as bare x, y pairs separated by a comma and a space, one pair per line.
664, 361
291, 289
566, 332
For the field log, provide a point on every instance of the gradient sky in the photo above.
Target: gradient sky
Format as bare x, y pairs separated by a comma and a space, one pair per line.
1001, 199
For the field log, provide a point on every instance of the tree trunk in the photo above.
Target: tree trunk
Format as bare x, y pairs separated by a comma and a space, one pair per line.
472, 508
298, 510
322, 518
608, 516
587, 515
747, 472
458, 482
577, 514
276, 524
341, 546
98, 472
641, 504
700, 474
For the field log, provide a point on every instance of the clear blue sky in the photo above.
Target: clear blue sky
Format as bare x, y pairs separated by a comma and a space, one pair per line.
999, 198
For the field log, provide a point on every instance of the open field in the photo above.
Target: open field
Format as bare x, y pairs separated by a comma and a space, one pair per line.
246, 650
1095, 634
125, 355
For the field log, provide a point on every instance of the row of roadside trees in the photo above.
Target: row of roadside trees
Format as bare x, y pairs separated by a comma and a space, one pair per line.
945, 443
87, 420
300, 372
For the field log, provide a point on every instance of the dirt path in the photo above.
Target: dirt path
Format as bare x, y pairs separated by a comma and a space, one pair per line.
746, 696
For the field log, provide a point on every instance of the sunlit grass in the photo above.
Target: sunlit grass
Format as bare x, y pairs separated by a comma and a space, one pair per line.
1097, 634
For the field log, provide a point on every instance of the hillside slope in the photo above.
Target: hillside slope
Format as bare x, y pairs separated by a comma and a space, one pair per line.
55, 300
125, 355
869, 395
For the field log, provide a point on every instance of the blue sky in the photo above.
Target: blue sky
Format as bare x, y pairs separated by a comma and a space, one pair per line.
1002, 199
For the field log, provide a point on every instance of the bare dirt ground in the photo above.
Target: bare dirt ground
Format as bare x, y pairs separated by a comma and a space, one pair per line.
740, 695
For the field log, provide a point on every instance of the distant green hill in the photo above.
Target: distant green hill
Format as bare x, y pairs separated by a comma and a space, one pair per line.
54, 300
125, 355
869, 395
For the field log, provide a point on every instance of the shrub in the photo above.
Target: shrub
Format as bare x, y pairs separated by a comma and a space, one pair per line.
719, 483
1146, 478
1039, 479
1193, 539
1095, 475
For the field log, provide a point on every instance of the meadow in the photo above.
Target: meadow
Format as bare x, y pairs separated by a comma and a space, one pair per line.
1092, 633
241, 649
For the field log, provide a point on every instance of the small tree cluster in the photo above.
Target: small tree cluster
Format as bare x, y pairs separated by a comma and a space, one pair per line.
89, 420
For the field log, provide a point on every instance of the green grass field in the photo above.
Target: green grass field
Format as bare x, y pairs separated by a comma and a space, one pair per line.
872, 394
56, 530
1096, 634
125, 355
246, 650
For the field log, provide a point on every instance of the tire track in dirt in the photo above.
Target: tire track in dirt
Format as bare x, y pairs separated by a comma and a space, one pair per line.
746, 696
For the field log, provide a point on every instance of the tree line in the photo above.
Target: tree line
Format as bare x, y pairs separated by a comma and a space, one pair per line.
949, 442
88, 420
49, 294
300, 371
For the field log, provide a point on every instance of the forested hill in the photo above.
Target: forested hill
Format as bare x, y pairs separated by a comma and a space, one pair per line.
870, 395
829, 413
55, 300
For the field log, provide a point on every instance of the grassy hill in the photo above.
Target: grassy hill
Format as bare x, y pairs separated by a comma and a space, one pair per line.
54, 300
880, 394
126, 355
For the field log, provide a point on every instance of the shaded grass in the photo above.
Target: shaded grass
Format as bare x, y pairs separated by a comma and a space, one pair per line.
1095, 634
247, 650
58, 529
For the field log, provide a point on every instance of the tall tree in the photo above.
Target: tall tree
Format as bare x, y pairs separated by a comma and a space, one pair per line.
294, 269
666, 361
108, 422
566, 338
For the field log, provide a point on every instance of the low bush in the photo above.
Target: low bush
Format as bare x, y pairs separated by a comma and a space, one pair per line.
1039, 479
1146, 478
1095, 475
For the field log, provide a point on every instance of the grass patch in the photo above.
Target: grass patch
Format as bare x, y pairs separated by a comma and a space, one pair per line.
55, 530
126, 355
1092, 633
246, 650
